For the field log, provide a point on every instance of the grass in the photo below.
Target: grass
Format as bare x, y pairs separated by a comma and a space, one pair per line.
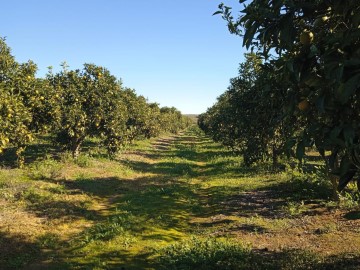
175, 202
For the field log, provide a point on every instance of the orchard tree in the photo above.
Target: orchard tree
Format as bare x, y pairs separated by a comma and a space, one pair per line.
74, 104
18, 87
91, 104
249, 117
316, 47
138, 114
172, 120
153, 126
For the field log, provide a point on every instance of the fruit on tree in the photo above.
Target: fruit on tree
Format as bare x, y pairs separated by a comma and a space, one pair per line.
304, 105
306, 37
320, 21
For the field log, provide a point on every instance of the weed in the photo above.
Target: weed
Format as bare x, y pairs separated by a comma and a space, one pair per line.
34, 196
327, 228
118, 225
294, 208
58, 189
83, 161
308, 185
45, 169
137, 215
207, 253
294, 259
349, 200
48, 240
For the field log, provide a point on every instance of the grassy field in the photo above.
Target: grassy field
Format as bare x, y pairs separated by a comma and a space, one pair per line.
175, 202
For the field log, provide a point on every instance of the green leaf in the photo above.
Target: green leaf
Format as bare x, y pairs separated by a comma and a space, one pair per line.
347, 89
286, 29
313, 51
338, 142
218, 12
338, 72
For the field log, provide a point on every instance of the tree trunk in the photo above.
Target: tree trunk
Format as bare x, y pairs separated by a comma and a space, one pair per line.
334, 181
331, 164
75, 147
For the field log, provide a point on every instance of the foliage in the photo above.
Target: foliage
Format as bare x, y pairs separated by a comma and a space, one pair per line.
172, 120
248, 117
75, 105
91, 105
315, 47
16, 118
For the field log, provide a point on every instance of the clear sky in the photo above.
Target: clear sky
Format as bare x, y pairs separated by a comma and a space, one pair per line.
173, 52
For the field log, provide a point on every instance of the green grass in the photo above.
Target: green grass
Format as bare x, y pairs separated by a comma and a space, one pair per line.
176, 202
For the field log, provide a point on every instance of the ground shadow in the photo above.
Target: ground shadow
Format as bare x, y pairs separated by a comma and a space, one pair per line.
16, 251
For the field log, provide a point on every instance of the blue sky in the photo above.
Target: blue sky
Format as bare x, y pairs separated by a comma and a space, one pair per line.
172, 52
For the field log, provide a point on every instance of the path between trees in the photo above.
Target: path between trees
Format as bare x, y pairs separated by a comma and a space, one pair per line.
177, 187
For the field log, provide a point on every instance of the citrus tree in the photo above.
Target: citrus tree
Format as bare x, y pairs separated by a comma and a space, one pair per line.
138, 114
172, 120
17, 104
316, 47
153, 126
74, 104
248, 117
91, 105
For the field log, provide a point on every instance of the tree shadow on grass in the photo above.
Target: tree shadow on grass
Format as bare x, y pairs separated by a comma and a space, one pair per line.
353, 215
228, 168
117, 260
157, 200
271, 202
16, 251
96, 186
245, 204
166, 204
167, 168
303, 259
149, 208
301, 189
61, 209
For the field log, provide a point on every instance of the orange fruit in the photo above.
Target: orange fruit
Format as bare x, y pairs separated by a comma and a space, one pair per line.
306, 37
303, 105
